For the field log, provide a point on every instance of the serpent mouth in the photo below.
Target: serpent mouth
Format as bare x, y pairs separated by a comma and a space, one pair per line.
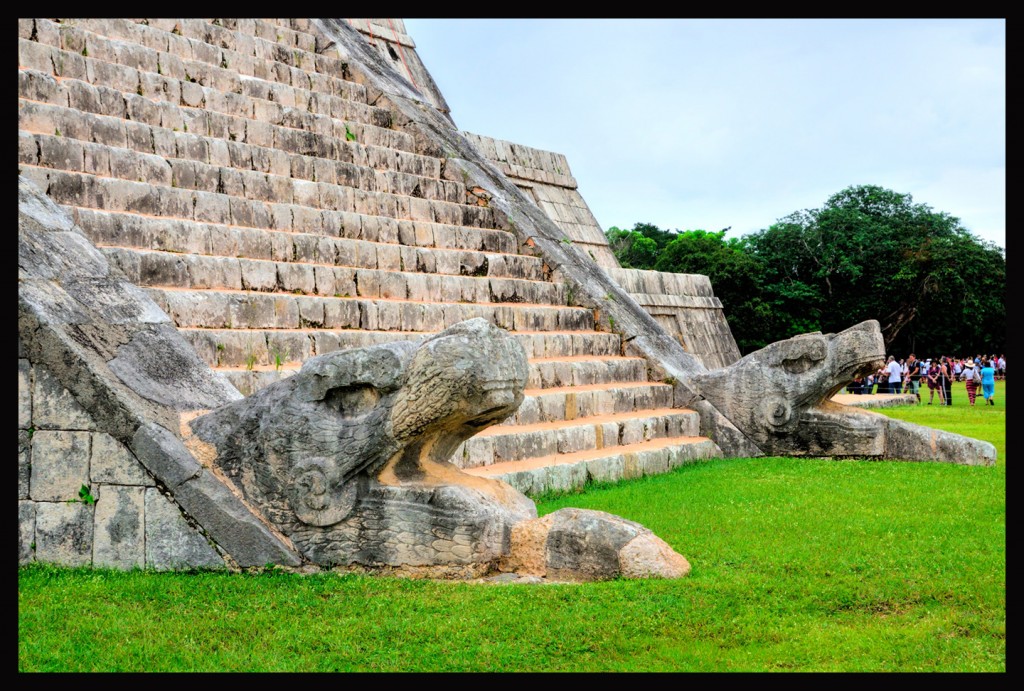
860, 364
487, 417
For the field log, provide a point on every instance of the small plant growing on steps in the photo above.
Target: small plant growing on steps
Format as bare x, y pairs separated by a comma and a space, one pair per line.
85, 496
349, 137
279, 357
250, 357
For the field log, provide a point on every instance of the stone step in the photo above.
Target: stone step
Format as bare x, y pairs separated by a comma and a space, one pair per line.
208, 111
154, 268
99, 192
256, 348
229, 309
68, 153
250, 361
289, 31
264, 347
578, 402
209, 165
585, 370
571, 472
393, 247
223, 80
229, 36
502, 443
151, 126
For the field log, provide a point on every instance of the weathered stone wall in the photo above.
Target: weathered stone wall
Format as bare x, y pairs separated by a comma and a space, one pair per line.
683, 304
103, 380
131, 524
545, 178
686, 307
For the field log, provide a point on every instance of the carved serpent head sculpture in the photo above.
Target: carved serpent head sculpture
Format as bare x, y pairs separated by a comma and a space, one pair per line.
779, 397
297, 447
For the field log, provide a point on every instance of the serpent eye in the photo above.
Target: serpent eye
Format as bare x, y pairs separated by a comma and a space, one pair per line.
803, 353
798, 365
353, 401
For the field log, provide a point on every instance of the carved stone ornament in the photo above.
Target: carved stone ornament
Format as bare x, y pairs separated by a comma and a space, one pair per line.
779, 397
349, 457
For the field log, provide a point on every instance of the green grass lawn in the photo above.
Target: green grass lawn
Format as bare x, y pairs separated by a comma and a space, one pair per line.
798, 565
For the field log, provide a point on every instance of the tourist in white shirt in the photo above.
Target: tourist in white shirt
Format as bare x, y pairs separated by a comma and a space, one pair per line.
895, 375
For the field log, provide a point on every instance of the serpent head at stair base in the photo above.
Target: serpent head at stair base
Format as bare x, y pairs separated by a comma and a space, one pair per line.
779, 397
349, 457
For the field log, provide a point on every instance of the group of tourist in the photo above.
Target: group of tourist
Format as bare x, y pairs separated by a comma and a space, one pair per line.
910, 375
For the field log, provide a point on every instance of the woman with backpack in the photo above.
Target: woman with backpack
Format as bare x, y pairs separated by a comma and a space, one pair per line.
972, 378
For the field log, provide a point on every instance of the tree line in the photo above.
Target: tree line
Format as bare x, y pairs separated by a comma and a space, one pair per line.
867, 253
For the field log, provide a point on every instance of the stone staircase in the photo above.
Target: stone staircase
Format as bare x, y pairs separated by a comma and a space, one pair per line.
268, 204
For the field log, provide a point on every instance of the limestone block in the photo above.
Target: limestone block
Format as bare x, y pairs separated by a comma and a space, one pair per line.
577, 438
307, 220
312, 313
606, 469
28, 149
445, 288
64, 533
389, 257
112, 463
521, 481
60, 465
37, 118
392, 285
140, 109
61, 152
35, 56
163, 455
390, 315
653, 461
26, 531
64, 188
414, 317
296, 278
581, 405
249, 242
141, 137
25, 394
246, 213
119, 527
608, 434
170, 542
24, 463
563, 477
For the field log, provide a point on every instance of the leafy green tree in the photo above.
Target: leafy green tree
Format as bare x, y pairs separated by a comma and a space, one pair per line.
735, 275
871, 253
638, 248
868, 253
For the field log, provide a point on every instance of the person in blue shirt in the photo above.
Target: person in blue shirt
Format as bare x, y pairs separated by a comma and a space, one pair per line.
988, 382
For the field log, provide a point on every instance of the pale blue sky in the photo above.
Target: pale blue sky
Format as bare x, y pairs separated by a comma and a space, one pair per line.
700, 123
